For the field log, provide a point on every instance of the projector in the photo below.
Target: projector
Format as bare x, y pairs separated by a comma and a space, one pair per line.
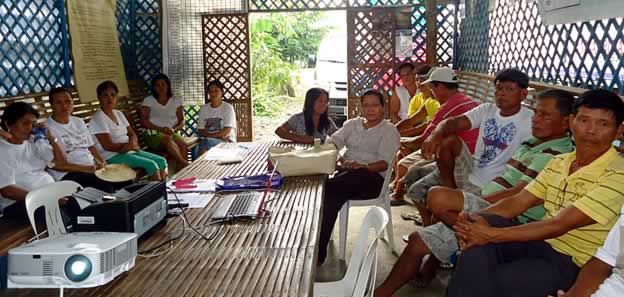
74, 260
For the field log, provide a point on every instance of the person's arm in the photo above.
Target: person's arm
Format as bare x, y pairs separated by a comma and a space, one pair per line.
498, 196
472, 231
413, 119
108, 144
283, 131
591, 276
180, 117
414, 131
14, 192
512, 206
395, 106
134, 139
221, 134
445, 128
99, 161
145, 122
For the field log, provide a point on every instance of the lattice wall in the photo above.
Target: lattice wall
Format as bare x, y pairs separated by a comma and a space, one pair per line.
35, 51
31, 45
300, 5
227, 59
585, 54
184, 44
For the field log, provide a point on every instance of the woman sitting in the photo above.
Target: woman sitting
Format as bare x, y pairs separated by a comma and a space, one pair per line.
116, 141
162, 116
371, 143
81, 158
217, 120
24, 158
312, 123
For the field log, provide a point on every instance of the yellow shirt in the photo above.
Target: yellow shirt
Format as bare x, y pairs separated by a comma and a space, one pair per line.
596, 189
431, 105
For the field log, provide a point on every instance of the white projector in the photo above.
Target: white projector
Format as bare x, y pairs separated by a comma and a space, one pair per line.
74, 260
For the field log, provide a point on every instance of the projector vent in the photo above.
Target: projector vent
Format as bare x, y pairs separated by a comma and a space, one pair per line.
47, 268
106, 261
122, 254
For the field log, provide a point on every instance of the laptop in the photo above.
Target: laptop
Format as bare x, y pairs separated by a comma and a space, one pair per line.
239, 206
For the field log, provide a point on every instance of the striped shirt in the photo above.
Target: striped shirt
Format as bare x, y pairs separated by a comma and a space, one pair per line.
525, 164
596, 189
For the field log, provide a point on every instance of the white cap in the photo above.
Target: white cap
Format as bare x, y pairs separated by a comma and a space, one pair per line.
442, 74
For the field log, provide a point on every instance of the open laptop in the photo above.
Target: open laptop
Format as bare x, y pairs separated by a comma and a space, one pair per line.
238, 206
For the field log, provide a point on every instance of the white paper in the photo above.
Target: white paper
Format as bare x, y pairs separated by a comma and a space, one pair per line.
194, 200
201, 185
219, 154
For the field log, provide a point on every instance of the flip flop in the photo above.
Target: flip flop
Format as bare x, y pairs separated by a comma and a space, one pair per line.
397, 202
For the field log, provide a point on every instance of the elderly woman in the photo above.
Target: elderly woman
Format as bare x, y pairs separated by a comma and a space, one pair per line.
81, 158
116, 141
312, 123
371, 143
217, 120
162, 116
24, 159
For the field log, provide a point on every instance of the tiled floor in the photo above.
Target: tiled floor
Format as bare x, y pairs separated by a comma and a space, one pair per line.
334, 269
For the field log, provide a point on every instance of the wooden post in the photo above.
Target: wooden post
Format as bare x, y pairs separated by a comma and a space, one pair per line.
431, 13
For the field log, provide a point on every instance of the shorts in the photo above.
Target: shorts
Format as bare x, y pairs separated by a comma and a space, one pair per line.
152, 138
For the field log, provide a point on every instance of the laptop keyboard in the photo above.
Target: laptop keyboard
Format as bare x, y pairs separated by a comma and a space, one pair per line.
241, 204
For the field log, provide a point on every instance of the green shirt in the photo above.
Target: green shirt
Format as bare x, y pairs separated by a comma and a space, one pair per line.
525, 164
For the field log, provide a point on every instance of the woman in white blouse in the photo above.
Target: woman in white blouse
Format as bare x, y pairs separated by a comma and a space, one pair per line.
116, 140
162, 116
371, 143
24, 158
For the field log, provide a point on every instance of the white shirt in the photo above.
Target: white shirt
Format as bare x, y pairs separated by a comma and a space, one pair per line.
101, 123
215, 119
498, 139
162, 115
74, 140
404, 99
23, 165
612, 253
367, 145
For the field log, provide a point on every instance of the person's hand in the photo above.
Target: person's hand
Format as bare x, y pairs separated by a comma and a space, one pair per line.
408, 144
4, 134
135, 146
88, 168
126, 147
431, 146
352, 165
472, 230
99, 164
560, 293
167, 130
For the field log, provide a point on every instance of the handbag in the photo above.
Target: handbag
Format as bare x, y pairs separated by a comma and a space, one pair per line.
319, 159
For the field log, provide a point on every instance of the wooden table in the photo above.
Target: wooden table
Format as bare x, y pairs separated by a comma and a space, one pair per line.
274, 256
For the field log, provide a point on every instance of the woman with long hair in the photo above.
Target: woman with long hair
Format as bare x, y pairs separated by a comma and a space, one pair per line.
312, 123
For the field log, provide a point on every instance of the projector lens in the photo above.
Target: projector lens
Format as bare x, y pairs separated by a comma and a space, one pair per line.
78, 268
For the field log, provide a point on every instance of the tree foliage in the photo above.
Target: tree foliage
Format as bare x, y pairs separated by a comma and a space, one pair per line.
279, 43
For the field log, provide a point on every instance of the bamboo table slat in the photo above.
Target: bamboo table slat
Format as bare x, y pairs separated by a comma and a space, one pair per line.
272, 256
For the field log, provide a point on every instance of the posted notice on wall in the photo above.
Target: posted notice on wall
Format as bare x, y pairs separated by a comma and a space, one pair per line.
95, 46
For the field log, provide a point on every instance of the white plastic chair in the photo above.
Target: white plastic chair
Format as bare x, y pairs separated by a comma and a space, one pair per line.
382, 200
359, 280
48, 197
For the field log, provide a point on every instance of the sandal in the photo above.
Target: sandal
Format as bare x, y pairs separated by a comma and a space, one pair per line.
412, 216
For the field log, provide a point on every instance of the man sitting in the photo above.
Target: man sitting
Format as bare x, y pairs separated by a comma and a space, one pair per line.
603, 275
444, 85
422, 107
550, 137
502, 125
581, 193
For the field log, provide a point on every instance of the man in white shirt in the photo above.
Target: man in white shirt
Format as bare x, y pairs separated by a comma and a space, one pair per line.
603, 275
503, 126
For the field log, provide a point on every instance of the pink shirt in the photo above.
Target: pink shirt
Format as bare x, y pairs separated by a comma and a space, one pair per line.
456, 105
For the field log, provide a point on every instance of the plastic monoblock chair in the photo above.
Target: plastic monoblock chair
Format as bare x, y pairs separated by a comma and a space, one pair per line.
382, 200
48, 196
359, 280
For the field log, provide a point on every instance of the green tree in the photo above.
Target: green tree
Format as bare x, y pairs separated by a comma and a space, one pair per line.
279, 42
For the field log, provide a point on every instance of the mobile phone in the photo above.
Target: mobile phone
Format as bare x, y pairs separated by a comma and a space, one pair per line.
40, 132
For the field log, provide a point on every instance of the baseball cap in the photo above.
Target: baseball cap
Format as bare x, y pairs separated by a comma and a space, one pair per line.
442, 74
